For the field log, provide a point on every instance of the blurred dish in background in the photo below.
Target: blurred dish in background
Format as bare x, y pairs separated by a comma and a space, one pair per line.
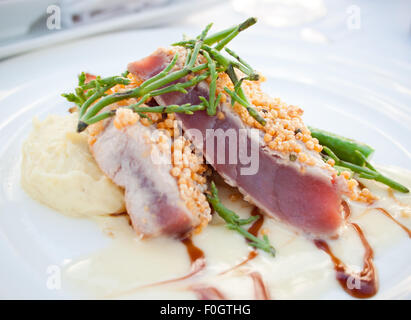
16, 16
81, 18
282, 13
88, 11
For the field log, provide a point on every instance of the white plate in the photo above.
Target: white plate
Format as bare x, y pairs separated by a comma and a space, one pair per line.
363, 97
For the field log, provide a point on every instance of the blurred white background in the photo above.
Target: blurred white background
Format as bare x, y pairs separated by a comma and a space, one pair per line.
382, 27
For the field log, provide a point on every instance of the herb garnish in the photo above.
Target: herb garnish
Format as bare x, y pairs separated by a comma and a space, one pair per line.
235, 223
353, 156
91, 97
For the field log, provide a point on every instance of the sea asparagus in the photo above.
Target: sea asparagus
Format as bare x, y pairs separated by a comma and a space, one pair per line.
235, 223
343, 148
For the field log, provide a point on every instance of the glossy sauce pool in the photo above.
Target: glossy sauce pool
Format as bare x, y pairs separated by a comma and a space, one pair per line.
218, 263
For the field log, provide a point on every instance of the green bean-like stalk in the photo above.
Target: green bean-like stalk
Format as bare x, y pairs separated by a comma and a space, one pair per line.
197, 46
352, 155
156, 82
222, 61
82, 79
136, 93
96, 94
235, 223
106, 82
246, 24
177, 87
71, 97
87, 93
252, 75
97, 118
187, 109
189, 52
163, 73
252, 111
91, 97
239, 96
181, 86
174, 108
212, 102
343, 147
368, 172
218, 36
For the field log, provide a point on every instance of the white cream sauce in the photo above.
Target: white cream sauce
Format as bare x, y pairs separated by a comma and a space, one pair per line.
131, 267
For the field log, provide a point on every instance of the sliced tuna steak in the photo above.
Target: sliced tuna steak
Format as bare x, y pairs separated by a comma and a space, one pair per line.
306, 196
151, 193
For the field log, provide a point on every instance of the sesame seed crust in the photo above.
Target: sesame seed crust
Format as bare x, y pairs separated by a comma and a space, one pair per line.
284, 133
188, 168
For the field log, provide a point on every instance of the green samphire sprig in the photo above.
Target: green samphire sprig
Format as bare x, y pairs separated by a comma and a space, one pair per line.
91, 97
233, 222
352, 155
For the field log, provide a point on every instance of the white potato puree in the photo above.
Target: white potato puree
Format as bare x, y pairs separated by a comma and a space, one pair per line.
59, 171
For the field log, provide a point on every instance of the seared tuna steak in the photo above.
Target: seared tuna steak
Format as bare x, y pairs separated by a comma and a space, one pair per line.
126, 153
285, 175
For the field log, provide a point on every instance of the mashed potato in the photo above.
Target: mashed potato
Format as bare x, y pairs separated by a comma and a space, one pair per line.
59, 170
